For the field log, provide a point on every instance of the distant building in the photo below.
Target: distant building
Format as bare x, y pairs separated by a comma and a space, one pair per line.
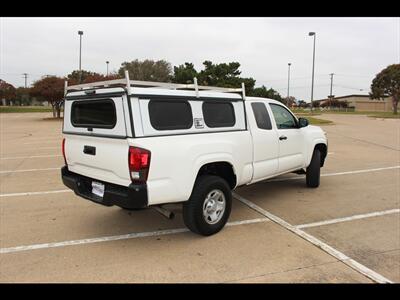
363, 102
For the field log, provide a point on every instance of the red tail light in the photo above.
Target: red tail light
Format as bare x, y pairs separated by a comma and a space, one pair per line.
139, 164
63, 151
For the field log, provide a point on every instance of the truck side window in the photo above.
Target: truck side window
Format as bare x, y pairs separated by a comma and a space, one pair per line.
283, 118
219, 114
170, 114
261, 115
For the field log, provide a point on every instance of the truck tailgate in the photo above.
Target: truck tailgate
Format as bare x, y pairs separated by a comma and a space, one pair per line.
95, 131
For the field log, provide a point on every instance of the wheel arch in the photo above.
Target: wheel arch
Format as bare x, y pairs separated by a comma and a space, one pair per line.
223, 169
323, 149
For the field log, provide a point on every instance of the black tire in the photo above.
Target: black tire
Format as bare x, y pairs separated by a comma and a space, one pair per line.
193, 208
313, 170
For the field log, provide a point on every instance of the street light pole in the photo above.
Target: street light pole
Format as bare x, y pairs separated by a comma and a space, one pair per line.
312, 82
107, 62
80, 55
331, 84
288, 81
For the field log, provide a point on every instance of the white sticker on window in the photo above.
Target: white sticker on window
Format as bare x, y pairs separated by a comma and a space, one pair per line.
198, 123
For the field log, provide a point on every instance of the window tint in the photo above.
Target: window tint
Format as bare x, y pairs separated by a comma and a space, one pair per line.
261, 115
218, 114
93, 113
170, 115
283, 118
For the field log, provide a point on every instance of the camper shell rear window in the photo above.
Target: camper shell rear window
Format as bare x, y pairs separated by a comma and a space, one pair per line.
94, 113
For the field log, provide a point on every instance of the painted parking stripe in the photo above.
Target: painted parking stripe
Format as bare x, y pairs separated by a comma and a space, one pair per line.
42, 142
334, 174
352, 218
116, 237
270, 180
178, 230
35, 193
320, 244
28, 170
32, 156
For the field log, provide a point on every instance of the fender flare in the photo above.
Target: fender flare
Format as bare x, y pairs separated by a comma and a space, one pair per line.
310, 151
203, 160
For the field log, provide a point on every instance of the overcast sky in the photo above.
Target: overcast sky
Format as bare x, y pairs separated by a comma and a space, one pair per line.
355, 49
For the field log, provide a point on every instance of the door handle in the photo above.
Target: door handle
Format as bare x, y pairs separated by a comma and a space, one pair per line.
282, 137
89, 150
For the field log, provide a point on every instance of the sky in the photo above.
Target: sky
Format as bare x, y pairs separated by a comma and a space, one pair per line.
354, 49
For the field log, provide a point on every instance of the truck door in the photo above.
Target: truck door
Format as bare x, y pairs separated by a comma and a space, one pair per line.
290, 137
265, 141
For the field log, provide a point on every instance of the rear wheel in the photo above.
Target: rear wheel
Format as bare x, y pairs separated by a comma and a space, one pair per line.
208, 208
313, 170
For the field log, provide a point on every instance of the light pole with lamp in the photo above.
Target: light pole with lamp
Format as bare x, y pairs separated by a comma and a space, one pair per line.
80, 55
107, 62
312, 82
288, 81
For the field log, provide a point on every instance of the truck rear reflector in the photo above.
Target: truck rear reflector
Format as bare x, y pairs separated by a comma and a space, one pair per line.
139, 164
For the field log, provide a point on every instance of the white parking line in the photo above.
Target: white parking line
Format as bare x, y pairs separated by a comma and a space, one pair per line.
320, 244
270, 180
35, 193
352, 218
28, 170
179, 230
43, 142
116, 237
334, 174
33, 156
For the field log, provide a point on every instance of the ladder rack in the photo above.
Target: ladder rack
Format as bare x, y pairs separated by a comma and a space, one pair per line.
128, 84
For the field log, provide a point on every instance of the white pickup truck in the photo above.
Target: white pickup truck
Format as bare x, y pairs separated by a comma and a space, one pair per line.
137, 144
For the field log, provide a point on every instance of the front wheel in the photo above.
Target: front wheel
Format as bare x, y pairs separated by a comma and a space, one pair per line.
313, 170
208, 208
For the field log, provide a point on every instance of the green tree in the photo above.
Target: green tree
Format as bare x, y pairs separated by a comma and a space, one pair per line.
88, 76
7, 91
22, 95
51, 89
184, 73
224, 75
147, 70
266, 93
302, 103
387, 84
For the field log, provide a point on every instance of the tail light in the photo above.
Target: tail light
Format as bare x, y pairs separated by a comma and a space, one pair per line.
139, 164
63, 151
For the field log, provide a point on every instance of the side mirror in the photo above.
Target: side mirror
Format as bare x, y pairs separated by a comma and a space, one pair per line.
303, 122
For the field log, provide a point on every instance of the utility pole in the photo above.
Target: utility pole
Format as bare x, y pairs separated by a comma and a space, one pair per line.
26, 78
107, 62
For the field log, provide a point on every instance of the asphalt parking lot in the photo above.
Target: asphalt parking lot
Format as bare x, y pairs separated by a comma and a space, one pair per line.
347, 230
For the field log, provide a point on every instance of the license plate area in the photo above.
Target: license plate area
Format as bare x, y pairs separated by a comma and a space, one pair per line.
98, 189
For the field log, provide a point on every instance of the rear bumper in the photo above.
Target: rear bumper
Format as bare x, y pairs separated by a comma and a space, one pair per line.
133, 196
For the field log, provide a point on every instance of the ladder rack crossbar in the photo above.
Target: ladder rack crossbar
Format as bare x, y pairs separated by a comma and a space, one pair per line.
151, 84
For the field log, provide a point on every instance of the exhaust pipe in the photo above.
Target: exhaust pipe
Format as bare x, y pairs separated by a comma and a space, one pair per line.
165, 212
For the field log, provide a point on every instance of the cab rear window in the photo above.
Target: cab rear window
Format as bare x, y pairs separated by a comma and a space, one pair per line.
94, 113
